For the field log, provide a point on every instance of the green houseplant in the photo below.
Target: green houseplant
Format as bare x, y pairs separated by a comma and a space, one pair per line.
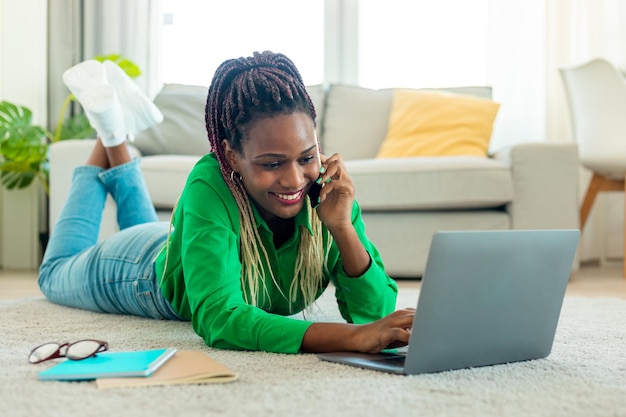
24, 145
23, 148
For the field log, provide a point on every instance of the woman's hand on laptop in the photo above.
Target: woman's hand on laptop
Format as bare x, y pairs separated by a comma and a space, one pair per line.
390, 332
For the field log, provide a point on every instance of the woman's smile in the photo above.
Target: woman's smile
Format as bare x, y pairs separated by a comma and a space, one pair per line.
289, 198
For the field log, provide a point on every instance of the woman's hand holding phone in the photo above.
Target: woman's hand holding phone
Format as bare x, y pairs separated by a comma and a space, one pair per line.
335, 212
336, 193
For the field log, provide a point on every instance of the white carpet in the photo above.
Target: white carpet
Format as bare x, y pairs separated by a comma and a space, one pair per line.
584, 376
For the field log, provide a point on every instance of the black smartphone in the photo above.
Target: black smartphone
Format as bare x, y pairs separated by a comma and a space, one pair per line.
314, 194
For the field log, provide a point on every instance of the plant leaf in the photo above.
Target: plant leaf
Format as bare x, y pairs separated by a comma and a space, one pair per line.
23, 147
76, 127
12, 116
129, 67
17, 174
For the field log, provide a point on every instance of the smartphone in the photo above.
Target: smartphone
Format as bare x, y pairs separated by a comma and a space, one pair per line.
314, 194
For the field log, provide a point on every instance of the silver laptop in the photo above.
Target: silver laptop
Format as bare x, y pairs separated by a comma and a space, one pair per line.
486, 298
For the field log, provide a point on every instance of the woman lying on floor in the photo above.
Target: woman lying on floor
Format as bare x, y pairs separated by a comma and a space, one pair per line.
245, 248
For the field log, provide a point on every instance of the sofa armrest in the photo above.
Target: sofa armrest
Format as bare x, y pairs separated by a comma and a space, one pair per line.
65, 155
545, 185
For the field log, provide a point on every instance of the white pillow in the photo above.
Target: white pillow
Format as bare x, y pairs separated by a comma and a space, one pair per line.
183, 131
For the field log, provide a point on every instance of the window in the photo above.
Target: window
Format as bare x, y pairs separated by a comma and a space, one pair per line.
376, 44
198, 35
422, 43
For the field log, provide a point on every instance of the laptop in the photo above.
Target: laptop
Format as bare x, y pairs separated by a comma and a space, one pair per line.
486, 298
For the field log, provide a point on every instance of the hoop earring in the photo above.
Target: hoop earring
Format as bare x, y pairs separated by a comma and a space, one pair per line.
232, 177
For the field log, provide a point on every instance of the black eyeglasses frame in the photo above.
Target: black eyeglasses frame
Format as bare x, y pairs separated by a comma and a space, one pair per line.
63, 348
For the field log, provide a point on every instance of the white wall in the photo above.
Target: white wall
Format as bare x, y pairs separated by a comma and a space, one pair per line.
23, 80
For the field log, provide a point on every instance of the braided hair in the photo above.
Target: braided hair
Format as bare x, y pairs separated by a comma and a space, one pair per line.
242, 91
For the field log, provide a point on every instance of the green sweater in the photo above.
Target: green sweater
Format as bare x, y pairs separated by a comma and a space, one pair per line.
202, 279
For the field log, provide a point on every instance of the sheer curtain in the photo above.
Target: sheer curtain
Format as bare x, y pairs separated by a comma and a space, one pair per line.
131, 28
516, 68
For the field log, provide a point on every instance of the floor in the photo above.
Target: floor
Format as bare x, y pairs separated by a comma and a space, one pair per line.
589, 280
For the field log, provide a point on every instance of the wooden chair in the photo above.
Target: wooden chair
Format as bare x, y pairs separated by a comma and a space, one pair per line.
596, 93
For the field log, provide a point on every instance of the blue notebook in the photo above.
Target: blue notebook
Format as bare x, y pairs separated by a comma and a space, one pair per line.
110, 365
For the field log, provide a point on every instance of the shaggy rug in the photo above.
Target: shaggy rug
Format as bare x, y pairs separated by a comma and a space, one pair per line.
585, 375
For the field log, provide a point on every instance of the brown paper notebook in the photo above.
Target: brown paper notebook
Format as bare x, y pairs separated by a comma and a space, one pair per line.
185, 367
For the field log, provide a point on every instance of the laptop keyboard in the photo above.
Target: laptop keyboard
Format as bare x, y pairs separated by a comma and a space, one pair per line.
394, 360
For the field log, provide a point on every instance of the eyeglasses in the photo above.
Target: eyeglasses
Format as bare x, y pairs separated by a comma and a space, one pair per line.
75, 351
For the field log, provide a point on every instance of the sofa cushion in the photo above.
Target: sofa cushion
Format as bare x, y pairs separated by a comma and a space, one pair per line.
318, 97
182, 131
355, 122
165, 177
381, 184
427, 183
356, 118
427, 123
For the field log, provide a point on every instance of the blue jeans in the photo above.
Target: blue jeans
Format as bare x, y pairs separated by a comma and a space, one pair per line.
115, 275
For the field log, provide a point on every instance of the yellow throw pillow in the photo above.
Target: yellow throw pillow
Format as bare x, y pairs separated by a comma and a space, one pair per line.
427, 123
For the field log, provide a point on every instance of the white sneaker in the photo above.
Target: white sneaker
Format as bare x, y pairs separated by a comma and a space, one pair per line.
139, 112
84, 76
88, 82
104, 112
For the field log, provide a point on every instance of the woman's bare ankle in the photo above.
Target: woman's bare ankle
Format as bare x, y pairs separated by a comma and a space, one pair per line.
118, 155
98, 156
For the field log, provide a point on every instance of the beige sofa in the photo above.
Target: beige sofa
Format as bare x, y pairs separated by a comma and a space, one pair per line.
404, 200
